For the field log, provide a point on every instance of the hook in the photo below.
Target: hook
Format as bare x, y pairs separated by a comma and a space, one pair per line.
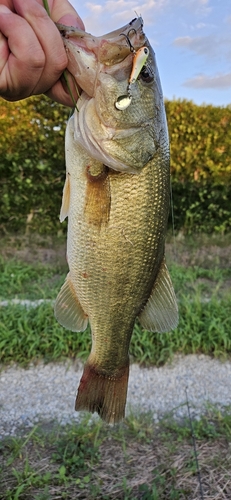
132, 29
128, 40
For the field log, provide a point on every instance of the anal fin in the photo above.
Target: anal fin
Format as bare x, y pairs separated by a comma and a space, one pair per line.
160, 314
68, 311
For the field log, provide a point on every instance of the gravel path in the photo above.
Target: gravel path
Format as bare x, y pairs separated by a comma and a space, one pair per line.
45, 393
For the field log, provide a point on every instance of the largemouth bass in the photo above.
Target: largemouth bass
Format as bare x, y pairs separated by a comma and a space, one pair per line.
116, 197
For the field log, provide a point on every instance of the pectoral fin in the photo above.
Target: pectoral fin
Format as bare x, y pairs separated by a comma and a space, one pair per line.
68, 310
66, 200
161, 311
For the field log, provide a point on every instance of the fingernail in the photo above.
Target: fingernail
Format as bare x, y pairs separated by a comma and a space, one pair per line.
70, 20
4, 10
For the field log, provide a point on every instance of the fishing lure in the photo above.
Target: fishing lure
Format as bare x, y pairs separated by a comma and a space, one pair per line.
139, 60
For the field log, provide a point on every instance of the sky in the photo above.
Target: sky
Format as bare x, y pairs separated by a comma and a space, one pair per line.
191, 39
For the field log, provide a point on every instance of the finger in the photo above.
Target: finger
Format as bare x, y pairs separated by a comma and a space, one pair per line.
21, 68
36, 58
9, 4
4, 51
63, 12
60, 94
60, 91
49, 39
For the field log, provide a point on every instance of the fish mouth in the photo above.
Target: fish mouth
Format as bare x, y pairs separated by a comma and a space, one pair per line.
110, 48
88, 55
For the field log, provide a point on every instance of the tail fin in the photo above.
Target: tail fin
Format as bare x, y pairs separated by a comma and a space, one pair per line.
104, 394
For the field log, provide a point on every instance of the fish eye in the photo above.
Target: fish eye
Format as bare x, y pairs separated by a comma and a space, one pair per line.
146, 75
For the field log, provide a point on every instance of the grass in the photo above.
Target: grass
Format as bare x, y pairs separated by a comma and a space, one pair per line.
133, 460
29, 334
137, 459
32, 281
23, 280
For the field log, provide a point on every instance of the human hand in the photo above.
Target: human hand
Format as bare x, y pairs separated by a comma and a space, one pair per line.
32, 54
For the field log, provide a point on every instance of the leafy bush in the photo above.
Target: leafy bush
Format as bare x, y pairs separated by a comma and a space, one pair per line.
201, 206
200, 141
200, 138
32, 165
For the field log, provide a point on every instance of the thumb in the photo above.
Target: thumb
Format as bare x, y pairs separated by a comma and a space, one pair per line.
71, 20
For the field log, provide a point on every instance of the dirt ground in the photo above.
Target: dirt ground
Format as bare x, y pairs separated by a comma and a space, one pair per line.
201, 250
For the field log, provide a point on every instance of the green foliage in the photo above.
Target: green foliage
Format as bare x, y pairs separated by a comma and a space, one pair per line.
204, 327
211, 425
201, 207
21, 280
200, 141
29, 334
78, 448
32, 165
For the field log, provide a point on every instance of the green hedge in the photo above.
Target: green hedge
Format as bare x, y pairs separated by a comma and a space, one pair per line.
200, 138
32, 165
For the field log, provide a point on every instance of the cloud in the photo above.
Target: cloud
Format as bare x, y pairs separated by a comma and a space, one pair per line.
219, 81
120, 7
109, 14
201, 8
105, 15
201, 45
210, 46
200, 26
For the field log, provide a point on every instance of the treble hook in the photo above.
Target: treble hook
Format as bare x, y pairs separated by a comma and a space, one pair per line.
128, 39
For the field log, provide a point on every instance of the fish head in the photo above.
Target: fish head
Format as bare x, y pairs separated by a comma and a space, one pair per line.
121, 119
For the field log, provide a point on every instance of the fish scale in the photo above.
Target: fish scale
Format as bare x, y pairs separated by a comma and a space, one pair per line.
117, 218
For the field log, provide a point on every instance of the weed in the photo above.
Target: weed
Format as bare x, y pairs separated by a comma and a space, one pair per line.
77, 448
87, 460
213, 425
